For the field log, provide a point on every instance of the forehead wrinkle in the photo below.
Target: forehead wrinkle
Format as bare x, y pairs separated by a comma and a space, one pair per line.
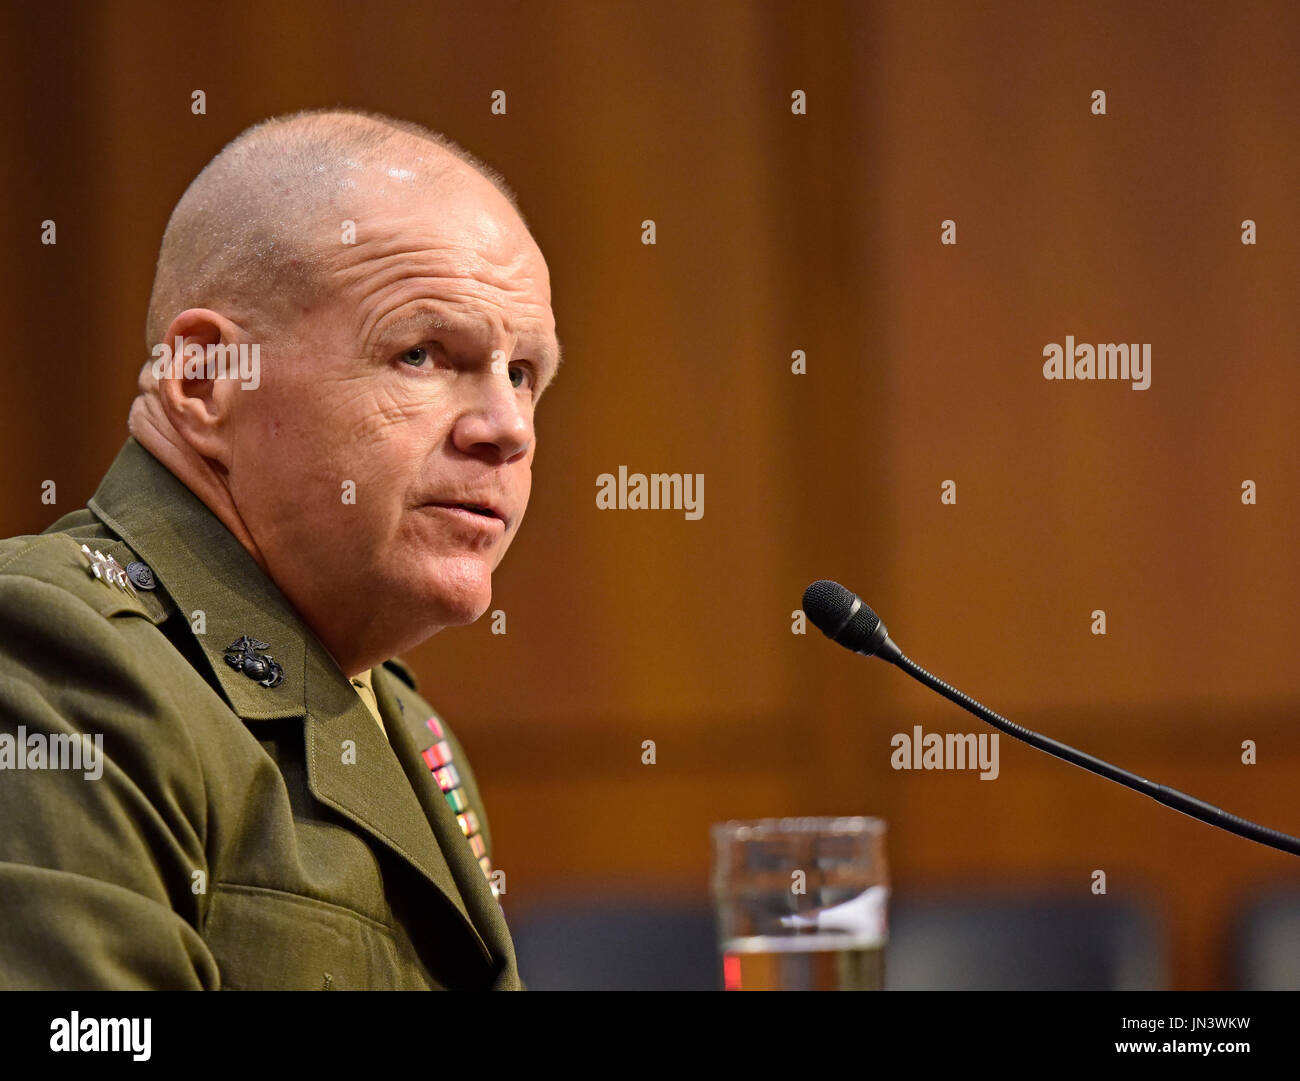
393, 261
399, 232
474, 275
412, 241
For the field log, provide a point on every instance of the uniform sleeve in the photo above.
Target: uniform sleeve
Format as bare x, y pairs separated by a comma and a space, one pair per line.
98, 863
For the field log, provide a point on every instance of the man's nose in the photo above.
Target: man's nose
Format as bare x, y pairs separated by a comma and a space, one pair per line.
496, 422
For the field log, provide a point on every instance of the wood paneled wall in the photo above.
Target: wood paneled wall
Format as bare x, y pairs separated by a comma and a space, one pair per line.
777, 233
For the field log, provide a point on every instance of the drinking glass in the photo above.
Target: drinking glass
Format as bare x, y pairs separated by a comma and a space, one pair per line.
802, 903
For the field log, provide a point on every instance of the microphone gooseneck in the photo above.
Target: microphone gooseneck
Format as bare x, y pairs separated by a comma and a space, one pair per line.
842, 617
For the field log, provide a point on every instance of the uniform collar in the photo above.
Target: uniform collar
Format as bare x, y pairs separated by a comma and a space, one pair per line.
216, 584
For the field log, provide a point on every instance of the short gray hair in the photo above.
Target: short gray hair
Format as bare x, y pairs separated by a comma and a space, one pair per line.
241, 231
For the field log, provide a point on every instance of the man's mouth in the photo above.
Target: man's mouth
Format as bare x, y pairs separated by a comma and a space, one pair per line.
481, 510
477, 508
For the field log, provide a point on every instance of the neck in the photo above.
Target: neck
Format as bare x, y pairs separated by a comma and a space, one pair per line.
202, 476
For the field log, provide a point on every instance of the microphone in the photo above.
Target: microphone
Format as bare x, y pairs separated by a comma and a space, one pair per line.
843, 618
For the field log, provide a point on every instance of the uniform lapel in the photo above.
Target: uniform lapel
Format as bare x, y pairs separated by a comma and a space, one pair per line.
224, 595
351, 768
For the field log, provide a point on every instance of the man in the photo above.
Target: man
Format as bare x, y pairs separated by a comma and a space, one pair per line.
213, 772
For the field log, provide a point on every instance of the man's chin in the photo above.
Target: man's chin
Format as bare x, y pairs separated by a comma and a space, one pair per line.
463, 614
460, 594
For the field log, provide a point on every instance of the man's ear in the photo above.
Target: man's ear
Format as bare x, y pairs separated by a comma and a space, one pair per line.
197, 394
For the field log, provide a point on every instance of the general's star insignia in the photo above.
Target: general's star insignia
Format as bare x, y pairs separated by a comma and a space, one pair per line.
108, 570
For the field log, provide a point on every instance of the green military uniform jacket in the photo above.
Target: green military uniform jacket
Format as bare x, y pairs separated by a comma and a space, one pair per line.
239, 835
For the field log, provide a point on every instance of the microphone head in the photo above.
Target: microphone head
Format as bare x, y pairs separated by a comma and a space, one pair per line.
843, 618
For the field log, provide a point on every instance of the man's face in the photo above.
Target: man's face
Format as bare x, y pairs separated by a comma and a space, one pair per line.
384, 465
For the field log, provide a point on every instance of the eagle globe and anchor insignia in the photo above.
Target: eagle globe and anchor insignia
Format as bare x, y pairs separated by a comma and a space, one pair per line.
245, 656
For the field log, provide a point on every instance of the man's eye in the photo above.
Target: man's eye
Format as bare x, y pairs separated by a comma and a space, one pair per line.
416, 355
522, 374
